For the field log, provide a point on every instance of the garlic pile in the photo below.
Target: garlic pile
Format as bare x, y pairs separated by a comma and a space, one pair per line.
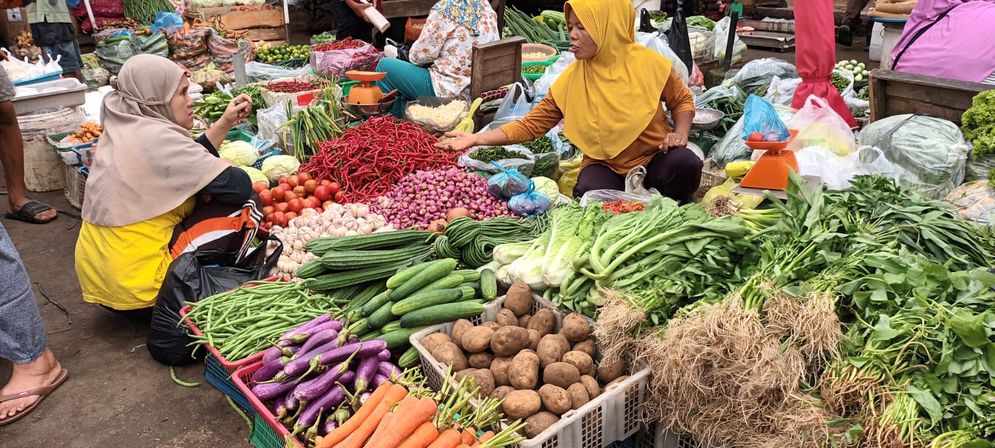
337, 220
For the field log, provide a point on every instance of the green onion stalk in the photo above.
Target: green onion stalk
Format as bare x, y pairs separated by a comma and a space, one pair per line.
899, 424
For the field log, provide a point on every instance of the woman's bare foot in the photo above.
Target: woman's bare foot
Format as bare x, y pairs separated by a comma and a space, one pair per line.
39, 373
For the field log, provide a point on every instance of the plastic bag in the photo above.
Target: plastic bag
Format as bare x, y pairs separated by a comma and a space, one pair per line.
529, 203
658, 43
781, 91
931, 151
721, 35
680, 40
553, 72
221, 47
975, 201
337, 62
731, 147
514, 106
569, 173
194, 276
113, 52
756, 75
819, 125
189, 44
978, 168
258, 72
634, 190
169, 22
523, 165
270, 120
760, 117
507, 183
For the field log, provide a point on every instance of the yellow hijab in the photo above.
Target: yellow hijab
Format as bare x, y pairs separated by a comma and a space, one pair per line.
609, 100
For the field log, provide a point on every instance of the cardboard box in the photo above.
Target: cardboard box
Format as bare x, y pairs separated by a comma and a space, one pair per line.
13, 21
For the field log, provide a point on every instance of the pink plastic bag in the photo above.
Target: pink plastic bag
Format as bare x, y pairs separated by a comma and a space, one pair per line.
337, 62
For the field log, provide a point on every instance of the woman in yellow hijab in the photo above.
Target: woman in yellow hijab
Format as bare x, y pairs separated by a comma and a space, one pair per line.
610, 102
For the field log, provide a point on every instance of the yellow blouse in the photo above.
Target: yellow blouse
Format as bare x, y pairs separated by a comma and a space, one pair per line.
123, 267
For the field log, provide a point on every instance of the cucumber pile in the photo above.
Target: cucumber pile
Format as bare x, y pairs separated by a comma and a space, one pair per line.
416, 297
356, 261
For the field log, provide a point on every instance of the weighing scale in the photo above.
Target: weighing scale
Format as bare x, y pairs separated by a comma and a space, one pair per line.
772, 169
366, 99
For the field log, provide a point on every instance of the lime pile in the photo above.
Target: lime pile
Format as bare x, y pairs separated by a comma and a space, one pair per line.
281, 53
860, 72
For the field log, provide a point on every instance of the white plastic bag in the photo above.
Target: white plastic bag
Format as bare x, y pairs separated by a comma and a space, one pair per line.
836, 171
524, 164
721, 35
270, 120
658, 43
514, 106
819, 125
634, 190
553, 72
780, 92
757, 74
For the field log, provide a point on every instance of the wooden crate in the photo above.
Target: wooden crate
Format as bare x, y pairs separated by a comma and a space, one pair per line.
243, 20
267, 34
895, 93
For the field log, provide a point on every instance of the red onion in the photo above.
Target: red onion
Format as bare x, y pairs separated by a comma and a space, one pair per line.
425, 196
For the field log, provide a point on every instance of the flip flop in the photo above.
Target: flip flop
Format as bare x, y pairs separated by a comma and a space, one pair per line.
41, 392
31, 209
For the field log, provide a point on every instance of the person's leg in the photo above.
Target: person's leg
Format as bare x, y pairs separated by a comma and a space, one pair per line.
598, 177
851, 21
410, 80
12, 154
675, 174
22, 337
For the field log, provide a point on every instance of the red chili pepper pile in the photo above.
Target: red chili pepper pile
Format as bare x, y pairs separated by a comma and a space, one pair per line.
291, 86
344, 44
620, 206
369, 159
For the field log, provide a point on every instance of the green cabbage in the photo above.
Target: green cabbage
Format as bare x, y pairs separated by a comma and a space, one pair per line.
239, 153
275, 167
255, 175
547, 187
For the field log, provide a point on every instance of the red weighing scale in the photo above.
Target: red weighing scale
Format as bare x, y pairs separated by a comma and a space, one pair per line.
773, 168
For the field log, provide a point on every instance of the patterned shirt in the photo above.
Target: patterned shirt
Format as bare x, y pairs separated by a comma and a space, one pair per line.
448, 47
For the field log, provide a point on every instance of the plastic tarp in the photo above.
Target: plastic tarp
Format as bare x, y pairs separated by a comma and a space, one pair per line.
815, 57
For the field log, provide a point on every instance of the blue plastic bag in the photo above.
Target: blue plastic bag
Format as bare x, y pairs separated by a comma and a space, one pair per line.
759, 116
168, 21
529, 203
507, 183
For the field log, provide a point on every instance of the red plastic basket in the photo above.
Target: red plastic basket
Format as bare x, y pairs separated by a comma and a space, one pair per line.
229, 366
243, 381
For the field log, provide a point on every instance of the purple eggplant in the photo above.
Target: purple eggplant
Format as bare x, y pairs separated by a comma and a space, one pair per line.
274, 352
299, 366
365, 372
306, 334
329, 400
314, 388
286, 405
268, 370
378, 379
388, 369
307, 325
269, 391
347, 378
327, 426
384, 355
318, 339
364, 396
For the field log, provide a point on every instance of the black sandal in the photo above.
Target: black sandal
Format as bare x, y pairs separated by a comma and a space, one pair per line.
30, 210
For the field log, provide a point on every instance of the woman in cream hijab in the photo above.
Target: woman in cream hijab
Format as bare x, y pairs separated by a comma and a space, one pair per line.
610, 102
148, 178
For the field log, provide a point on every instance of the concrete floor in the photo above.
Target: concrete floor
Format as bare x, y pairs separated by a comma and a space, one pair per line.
116, 395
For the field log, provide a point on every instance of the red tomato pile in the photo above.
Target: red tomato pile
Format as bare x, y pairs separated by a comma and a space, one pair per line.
293, 194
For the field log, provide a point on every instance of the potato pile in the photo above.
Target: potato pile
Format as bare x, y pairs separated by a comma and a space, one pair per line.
540, 374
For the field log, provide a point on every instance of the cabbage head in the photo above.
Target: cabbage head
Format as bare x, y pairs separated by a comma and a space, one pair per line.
275, 167
239, 153
255, 175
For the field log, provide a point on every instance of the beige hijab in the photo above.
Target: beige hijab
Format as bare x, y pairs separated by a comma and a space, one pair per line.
146, 164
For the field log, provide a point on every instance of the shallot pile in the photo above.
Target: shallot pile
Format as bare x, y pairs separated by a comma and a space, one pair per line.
426, 196
337, 220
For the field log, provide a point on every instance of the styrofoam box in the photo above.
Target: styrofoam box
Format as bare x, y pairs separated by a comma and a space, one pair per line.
67, 92
612, 416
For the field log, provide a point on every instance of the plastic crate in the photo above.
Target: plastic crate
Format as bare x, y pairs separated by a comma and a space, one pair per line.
75, 185
262, 436
702, 44
275, 432
610, 417
216, 376
534, 76
660, 437
239, 136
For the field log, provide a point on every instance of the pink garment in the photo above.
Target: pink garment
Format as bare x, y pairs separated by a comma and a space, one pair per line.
815, 55
959, 46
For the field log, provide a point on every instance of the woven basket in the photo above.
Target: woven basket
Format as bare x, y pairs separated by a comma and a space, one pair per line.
711, 176
75, 185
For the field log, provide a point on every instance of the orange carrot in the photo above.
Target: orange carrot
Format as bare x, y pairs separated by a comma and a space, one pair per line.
463, 445
487, 436
422, 437
340, 433
358, 437
402, 407
449, 438
410, 414
468, 437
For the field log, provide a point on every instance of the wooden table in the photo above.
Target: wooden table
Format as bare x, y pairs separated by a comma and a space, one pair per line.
895, 93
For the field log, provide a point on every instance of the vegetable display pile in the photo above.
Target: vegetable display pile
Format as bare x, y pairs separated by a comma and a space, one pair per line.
426, 196
860, 72
621, 206
249, 319
212, 106
978, 123
539, 370
323, 38
473, 242
549, 26
839, 81
335, 220
439, 117
144, 11
541, 145
368, 160
494, 153
534, 69
292, 86
344, 44
86, 133
282, 53
292, 195
319, 122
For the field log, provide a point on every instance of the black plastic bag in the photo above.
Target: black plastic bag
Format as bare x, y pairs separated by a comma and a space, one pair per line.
679, 39
192, 277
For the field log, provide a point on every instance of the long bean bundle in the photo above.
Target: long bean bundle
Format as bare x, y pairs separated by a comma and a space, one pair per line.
473, 242
144, 11
244, 321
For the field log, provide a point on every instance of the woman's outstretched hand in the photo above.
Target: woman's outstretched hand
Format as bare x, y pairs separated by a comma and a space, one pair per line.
458, 141
238, 110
